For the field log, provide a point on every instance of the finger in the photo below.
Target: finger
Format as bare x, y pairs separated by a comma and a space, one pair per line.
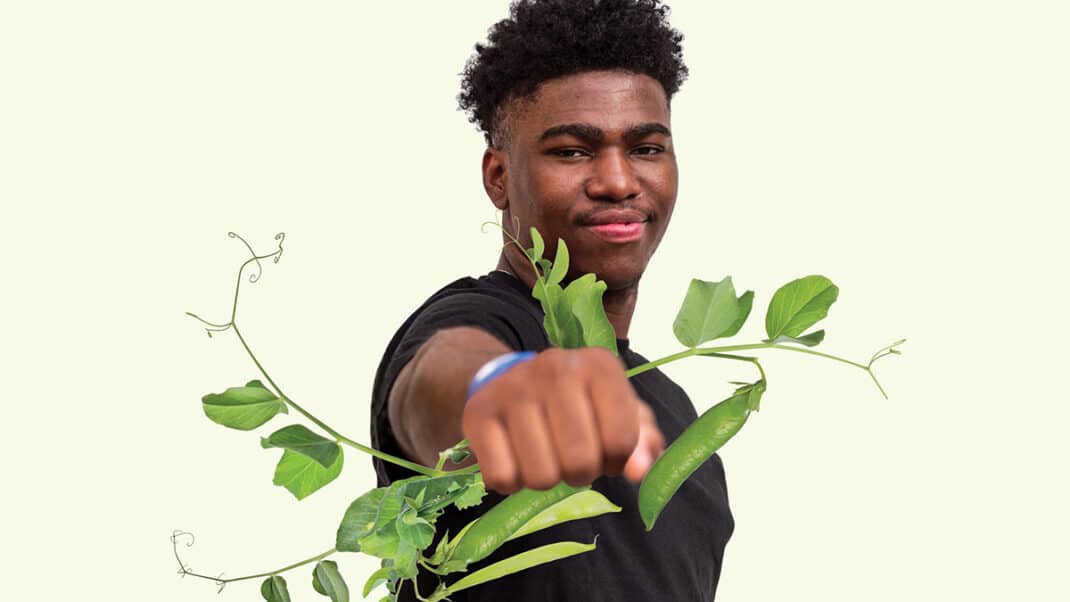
573, 429
614, 402
651, 445
532, 446
648, 427
490, 445
638, 464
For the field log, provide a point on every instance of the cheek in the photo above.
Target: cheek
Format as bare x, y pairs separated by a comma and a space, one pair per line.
551, 191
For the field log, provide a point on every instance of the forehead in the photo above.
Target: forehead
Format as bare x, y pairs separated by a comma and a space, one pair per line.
610, 100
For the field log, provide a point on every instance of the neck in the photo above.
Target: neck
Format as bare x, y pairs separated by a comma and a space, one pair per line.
619, 303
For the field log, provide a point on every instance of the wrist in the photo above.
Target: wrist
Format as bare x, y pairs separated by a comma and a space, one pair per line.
496, 367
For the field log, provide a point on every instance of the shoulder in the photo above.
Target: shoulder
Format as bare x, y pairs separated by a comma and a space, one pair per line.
496, 302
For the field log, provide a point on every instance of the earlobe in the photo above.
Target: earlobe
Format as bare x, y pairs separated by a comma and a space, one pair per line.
495, 177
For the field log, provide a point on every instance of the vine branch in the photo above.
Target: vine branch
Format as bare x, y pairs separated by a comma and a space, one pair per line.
184, 569
232, 325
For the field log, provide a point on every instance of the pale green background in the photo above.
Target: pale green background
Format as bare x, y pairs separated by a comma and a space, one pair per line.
914, 152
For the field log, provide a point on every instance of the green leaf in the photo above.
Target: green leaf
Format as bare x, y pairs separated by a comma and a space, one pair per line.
560, 269
538, 245
440, 549
585, 504
371, 523
472, 496
243, 408
376, 579
405, 561
807, 339
273, 589
798, 305
328, 581
383, 543
463, 563
415, 530
302, 475
746, 301
299, 439
455, 565
561, 325
359, 520
438, 492
521, 561
754, 394
584, 296
709, 310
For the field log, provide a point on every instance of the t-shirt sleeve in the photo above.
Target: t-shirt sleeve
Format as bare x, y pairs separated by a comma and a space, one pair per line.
511, 323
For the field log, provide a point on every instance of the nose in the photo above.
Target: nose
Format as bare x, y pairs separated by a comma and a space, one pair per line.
614, 178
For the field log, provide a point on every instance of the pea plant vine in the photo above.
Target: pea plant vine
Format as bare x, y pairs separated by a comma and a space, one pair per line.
397, 523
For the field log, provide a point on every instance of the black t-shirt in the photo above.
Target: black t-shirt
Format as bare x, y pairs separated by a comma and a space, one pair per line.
679, 560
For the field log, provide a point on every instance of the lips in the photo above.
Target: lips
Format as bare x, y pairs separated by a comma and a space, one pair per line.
615, 216
617, 225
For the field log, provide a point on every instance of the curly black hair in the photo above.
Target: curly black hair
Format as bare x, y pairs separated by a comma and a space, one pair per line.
546, 39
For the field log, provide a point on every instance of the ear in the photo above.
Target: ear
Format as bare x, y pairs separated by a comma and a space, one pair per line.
496, 177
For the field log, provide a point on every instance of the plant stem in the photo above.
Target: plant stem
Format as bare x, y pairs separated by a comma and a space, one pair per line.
220, 580
315, 558
465, 470
715, 352
818, 353
371, 451
337, 436
720, 352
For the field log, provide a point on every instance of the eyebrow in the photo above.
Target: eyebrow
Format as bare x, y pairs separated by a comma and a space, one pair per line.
593, 135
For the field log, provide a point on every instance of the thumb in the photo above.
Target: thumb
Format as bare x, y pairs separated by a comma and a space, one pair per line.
650, 445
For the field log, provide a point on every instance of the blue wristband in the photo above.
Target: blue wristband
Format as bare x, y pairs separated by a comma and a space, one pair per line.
496, 367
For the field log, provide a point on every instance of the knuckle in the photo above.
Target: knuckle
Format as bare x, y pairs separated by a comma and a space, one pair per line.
553, 358
600, 357
556, 363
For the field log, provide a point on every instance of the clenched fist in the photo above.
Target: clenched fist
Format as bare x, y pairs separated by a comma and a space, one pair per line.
567, 415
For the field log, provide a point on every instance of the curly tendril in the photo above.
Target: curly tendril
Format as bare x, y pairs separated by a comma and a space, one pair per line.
883, 352
274, 255
183, 568
514, 237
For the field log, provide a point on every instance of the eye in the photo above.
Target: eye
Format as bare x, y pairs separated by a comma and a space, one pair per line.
648, 149
568, 153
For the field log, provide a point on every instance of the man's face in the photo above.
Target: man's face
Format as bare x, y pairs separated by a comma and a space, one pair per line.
590, 160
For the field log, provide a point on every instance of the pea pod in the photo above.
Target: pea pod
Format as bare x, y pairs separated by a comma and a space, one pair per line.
692, 448
491, 530
519, 562
585, 504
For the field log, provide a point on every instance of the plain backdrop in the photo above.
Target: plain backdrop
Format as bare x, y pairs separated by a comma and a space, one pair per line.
916, 153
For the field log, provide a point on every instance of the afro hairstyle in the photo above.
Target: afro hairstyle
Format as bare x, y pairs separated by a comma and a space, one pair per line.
546, 39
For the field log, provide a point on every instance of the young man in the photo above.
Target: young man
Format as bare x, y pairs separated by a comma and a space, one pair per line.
573, 98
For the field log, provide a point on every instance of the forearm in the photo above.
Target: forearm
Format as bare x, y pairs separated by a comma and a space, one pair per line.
428, 397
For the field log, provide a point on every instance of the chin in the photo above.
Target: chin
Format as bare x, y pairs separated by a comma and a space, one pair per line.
619, 275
